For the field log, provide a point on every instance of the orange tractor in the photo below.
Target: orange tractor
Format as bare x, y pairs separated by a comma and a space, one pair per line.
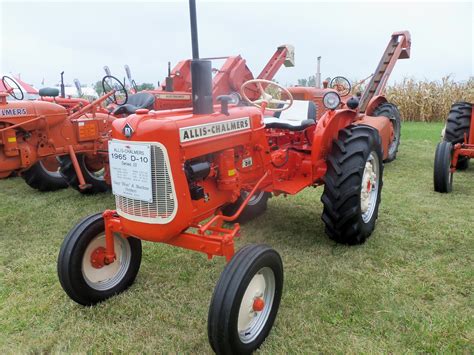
36, 142
178, 177
457, 147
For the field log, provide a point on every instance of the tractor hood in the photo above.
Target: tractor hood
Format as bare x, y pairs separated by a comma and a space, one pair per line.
14, 112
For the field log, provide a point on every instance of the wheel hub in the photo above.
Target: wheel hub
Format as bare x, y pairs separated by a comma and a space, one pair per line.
98, 258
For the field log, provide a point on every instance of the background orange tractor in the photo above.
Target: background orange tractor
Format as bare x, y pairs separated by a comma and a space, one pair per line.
86, 170
179, 175
457, 147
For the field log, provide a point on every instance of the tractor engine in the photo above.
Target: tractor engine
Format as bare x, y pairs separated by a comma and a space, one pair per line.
170, 170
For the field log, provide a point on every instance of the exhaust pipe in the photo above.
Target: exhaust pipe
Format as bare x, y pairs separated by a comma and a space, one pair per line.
63, 90
201, 71
318, 74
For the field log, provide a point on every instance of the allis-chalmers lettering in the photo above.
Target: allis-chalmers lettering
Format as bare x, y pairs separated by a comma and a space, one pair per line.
187, 134
13, 112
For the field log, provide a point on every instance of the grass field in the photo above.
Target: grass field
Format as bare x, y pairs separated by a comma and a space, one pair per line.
409, 288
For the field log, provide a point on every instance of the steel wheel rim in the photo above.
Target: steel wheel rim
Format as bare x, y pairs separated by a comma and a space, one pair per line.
369, 187
254, 199
110, 275
55, 174
249, 322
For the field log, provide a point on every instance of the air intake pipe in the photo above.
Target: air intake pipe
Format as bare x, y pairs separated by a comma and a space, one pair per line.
201, 71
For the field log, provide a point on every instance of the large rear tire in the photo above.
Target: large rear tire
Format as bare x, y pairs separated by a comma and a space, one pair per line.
94, 178
42, 176
84, 278
391, 112
246, 300
442, 175
256, 206
353, 185
457, 125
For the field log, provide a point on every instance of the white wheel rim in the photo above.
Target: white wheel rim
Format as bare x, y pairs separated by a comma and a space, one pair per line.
250, 322
97, 175
254, 199
108, 276
55, 174
369, 187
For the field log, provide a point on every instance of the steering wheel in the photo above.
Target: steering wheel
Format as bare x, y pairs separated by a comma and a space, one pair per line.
7, 83
266, 97
134, 86
341, 85
111, 83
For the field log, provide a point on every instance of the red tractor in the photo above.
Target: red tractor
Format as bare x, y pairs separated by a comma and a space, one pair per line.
87, 169
457, 147
178, 177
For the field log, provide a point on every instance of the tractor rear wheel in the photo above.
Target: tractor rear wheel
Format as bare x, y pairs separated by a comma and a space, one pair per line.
246, 300
93, 175
443, 177
81, 268
457, 125
353, 185
391, 112
256, 206
44, 176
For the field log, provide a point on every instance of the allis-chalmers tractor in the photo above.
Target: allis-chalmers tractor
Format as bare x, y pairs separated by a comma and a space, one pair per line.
41, 140
179, 175
457, 147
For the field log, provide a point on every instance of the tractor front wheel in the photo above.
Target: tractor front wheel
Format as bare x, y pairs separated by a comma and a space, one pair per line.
82, 270
44, 175
256, 206
353, 185
391, 112
443, 177
92, 171
246, 300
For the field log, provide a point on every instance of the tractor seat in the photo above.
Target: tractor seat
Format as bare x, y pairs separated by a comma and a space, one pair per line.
51, 92
135, 102
301, 115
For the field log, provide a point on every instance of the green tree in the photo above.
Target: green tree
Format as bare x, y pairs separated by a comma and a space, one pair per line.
145, 86
311, 81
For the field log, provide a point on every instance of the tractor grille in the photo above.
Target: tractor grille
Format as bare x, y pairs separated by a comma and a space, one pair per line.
164, 205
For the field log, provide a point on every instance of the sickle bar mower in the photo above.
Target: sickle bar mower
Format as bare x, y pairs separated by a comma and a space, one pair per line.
457, 147
179, 175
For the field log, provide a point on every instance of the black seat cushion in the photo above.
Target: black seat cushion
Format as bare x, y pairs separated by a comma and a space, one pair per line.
135, 102
52, 92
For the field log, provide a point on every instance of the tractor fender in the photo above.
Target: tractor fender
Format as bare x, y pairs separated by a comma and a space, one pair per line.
383, 126
326, 131
375, 102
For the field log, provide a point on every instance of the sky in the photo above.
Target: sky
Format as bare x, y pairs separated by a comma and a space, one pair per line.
40, 39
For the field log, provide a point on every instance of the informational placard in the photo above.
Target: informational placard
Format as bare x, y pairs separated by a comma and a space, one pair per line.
130, 170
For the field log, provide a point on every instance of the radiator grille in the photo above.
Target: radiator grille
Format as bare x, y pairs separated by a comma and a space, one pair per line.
164, 205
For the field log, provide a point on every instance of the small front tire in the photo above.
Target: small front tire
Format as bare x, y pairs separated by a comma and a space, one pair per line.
442, 175
246, 300
82, 276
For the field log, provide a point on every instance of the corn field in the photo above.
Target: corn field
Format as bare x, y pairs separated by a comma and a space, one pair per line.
429, 101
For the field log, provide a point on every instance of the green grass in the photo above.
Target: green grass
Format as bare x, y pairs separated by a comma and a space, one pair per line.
407, 289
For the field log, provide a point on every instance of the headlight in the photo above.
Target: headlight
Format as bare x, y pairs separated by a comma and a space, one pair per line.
331, 100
